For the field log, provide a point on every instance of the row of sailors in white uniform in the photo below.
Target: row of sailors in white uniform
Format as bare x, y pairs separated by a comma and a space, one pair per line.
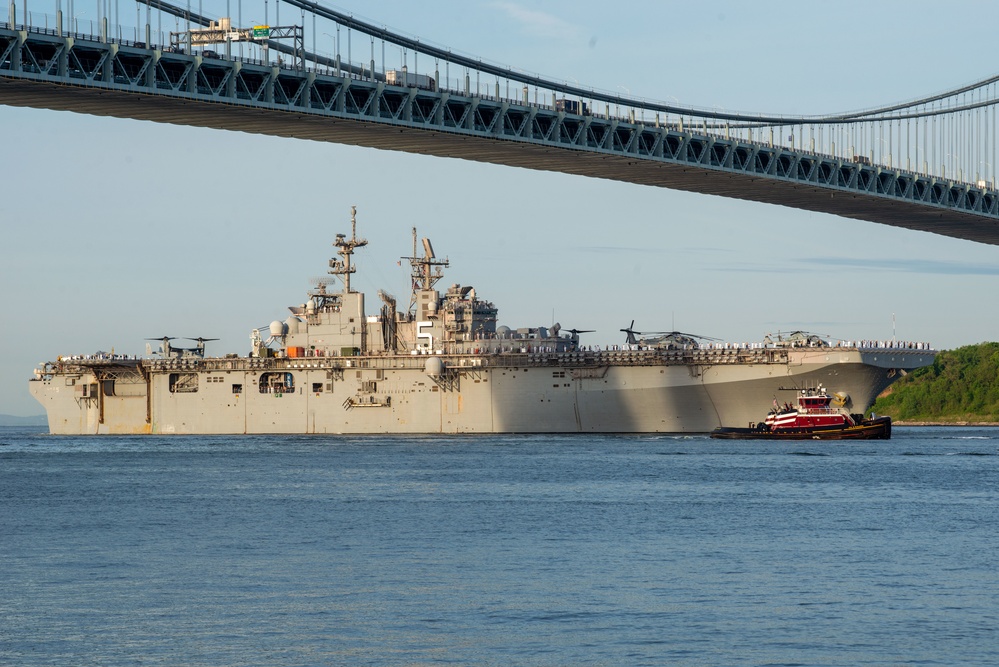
101, 356
861, 344
887, 344
870, 344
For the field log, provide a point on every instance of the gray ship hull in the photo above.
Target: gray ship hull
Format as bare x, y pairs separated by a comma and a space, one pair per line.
645, 391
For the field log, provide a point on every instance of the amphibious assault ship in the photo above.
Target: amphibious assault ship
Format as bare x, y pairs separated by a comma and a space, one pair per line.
444, 366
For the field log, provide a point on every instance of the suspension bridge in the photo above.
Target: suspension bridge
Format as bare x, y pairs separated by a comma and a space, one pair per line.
927, 164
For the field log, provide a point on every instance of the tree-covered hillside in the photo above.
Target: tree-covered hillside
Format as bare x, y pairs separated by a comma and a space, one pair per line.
962, 385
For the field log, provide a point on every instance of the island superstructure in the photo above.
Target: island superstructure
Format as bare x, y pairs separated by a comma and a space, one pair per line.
443, 365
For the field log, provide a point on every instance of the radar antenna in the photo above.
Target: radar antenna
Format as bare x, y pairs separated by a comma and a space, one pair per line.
426, 270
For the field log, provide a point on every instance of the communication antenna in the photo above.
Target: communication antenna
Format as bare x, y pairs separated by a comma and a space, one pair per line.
345, 248
322, 281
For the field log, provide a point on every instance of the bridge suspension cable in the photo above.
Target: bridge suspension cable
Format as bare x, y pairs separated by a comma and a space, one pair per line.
485, 67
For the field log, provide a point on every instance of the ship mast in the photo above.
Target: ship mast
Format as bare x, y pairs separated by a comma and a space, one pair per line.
426, 270
345, 248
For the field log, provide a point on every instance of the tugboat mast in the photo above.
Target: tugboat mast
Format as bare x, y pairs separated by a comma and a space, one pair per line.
345, 248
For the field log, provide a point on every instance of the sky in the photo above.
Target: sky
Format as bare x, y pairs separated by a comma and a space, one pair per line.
115, 231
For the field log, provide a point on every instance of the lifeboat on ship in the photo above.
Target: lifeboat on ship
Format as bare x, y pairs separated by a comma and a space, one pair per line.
815, 417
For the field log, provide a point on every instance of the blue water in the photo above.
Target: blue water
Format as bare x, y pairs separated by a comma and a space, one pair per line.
499, 550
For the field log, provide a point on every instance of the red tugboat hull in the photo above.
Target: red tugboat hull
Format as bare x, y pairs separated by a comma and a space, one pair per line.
868, 429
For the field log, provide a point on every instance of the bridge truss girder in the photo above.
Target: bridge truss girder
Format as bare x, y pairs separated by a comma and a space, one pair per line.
183, 41
130, 81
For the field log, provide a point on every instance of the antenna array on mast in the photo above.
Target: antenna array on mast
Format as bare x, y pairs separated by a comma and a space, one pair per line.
345, 248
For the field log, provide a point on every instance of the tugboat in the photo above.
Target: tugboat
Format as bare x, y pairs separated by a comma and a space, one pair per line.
814, 418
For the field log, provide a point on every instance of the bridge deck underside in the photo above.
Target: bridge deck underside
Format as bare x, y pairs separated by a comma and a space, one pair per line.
459, 143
